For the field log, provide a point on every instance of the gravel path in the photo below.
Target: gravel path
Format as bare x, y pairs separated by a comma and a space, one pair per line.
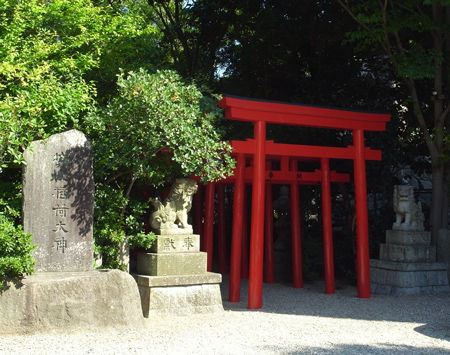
292, 321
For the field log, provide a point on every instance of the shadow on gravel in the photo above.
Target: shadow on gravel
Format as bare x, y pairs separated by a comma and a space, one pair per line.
435, 330
391, 349
312, 301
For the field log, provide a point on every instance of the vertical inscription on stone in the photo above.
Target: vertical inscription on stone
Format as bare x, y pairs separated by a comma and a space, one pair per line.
188, 243
60, 209
58, 201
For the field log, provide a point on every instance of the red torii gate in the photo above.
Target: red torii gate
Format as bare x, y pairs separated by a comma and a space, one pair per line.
263, 112
286, 174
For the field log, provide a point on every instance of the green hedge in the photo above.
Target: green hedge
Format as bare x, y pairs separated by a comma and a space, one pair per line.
15, 251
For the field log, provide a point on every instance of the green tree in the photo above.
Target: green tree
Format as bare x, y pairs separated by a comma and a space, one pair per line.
46, 48
155, 117
155, 128
193, 33
414, 37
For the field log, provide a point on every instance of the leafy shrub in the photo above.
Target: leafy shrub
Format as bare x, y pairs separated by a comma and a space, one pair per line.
112, 226
15, 251
155, 129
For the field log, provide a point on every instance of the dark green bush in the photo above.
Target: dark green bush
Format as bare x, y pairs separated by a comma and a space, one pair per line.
15, 252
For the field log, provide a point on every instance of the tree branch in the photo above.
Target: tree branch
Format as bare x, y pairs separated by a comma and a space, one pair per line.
444, 113
119, 174
127, 193
421, 119
363, 25
353, 16
175, 21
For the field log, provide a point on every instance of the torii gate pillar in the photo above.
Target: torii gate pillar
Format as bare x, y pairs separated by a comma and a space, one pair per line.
362, 225
257, 223
237, 231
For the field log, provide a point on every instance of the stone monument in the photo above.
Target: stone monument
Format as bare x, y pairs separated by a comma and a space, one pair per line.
407, 262
172, 277
58, 205
65, 292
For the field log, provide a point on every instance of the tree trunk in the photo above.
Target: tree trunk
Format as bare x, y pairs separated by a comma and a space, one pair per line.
445, 197
438, 199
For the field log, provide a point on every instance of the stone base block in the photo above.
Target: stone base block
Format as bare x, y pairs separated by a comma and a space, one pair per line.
408, 237
180, 294
63, 301
163, 264
395, 278
405, 291
178, 280
407, 253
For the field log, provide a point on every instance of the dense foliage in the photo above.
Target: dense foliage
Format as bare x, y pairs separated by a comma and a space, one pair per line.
155, 129
15, 245
153, 119
45, 48
15, 251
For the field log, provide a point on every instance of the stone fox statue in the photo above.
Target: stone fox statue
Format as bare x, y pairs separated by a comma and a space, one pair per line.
408, 213
171, 216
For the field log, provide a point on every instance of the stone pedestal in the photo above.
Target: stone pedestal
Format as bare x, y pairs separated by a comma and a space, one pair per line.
70, 301
408, 265
172, 278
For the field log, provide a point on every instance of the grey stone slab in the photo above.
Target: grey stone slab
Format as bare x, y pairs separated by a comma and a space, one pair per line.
70, 301
408, 278
441, 288
400, 266
408, 237
58, 201
405, 291
178, 280
443, 246
181, 300
407, 253
176, 243
162, 264
380, 289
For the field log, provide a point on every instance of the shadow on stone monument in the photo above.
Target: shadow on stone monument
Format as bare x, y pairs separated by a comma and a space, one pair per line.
407, 262
173, 277
75, 175
66, 292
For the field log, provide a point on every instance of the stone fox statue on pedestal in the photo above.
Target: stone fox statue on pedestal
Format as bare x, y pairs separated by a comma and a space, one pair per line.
408, 213
171, 216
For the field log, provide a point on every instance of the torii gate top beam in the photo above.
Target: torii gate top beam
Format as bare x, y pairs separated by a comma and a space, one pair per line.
245, 109
303, 151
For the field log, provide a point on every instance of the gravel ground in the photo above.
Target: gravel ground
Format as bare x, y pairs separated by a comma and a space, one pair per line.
292, 321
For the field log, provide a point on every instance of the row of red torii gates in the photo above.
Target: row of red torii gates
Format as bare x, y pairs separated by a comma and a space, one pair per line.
260, 153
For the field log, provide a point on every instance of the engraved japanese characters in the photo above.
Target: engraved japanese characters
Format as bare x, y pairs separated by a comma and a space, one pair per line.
171, 216
408, 213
